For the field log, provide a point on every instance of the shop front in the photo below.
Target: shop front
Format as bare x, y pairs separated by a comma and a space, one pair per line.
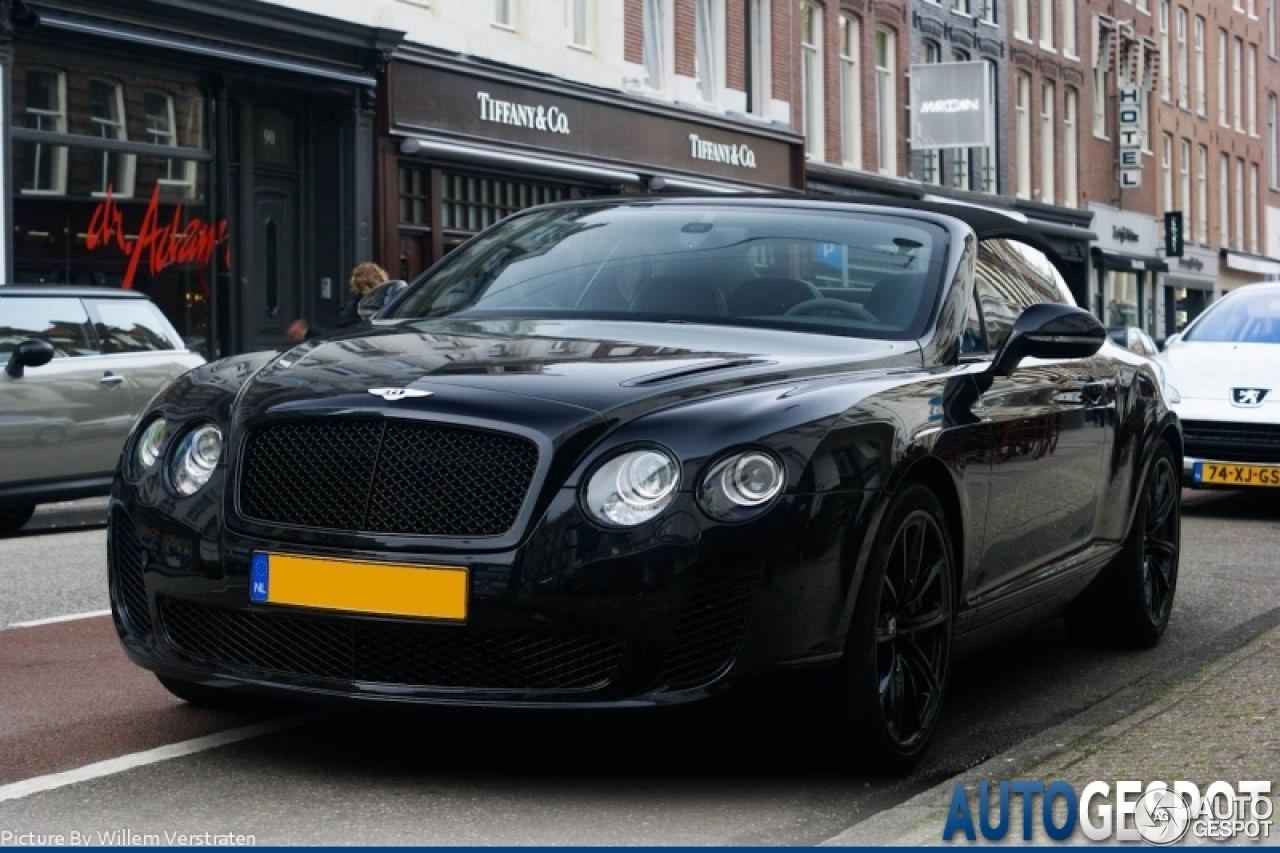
1126, 264
468, 143
1188, 288
1240, 269
221, 175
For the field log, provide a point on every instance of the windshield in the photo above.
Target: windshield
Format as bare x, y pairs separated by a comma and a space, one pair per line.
839, 273
1244, 318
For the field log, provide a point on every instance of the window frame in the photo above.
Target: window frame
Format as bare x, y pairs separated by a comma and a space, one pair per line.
58, 153
126, 162
887, 89
851, 90
575, 11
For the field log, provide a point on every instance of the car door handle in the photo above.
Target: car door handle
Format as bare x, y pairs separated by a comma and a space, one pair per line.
111, 380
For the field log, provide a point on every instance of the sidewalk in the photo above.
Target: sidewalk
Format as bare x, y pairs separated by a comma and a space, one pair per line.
1221, 722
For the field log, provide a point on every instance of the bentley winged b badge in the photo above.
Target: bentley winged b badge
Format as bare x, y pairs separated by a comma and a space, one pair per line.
393, 394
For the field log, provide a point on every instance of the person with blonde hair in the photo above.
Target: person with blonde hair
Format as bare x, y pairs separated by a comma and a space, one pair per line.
364, 278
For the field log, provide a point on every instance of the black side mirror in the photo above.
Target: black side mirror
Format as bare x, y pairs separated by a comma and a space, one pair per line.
34, 353
1049, 330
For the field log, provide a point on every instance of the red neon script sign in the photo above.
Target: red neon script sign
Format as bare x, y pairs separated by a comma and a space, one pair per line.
164, 243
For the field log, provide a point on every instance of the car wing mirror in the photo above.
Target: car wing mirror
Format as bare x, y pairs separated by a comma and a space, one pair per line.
35, 353
1051, 331
1171, 340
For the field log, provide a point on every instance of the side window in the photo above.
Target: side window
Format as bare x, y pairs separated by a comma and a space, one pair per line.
975, 335
62, 321
1023, 273
131, 325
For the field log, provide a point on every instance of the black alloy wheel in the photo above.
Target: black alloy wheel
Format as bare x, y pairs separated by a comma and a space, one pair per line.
1131, 600
898, 657
1160, 542
14, 518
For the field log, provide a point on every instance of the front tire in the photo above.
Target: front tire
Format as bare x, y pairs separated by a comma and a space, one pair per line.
897, 658
1131, 600
14, 518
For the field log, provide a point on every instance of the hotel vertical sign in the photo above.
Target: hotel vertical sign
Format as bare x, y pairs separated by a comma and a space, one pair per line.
1130, 130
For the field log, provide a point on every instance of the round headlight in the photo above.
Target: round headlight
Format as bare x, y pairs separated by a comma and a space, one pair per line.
737, 487
150, 444
194, 460
633, 487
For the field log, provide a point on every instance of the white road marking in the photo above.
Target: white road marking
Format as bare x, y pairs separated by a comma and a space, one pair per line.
53, 620
112, 766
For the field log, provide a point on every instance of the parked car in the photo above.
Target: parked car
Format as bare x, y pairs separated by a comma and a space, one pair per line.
623, 453
81, 363
1223, 369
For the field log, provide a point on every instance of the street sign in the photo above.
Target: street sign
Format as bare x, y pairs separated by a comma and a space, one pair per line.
1173, 233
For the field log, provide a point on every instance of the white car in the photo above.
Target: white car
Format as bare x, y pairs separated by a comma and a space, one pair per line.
1223, 379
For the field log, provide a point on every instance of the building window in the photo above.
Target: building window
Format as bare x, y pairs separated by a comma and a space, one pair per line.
960, 6
961, 171
1202, 195
811, 78
655, 35
1048, 164
1069, 29
989, 182
578, 24
1222, 78
1224, 201
705, 62
1253, 207
988, 10
1238, 231
757, 57
1022, 19
851, 91
1166, 79
504, 14
1273, 143
1070, 147
1184, 179
162, 130
1271, 28
1237, 85
1184, 72
1022, 129
887, 99
1166, 173
111, 171
932, 157
1251, 97
45, 166
1201, 106
1101, 66
1046, 24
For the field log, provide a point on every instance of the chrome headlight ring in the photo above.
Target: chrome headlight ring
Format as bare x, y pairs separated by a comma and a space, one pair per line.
194, 459
741, 485
632, 487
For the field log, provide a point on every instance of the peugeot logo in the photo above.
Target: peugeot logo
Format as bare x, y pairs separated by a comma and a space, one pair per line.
393, 394
1248, 397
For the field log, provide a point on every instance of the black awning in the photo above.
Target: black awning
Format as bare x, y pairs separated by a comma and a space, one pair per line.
1109, 260
203, 46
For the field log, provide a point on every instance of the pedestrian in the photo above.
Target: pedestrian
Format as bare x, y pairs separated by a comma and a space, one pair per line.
364, 278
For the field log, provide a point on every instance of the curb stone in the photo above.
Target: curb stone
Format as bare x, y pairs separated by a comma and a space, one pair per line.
1128, 707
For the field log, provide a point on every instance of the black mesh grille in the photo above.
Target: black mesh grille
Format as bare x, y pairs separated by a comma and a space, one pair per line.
712, 624
390, 653
128, 561
1228, 442
403, 477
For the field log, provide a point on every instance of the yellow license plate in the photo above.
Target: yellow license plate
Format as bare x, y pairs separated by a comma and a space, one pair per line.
384, 589
1230, 474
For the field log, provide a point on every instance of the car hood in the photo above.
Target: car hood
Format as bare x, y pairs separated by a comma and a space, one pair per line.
606, 368
1209, 369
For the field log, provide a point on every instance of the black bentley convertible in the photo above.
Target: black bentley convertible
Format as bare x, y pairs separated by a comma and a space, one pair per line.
636, 452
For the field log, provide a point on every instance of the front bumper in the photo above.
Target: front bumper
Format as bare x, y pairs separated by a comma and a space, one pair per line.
1216, 432
574, 616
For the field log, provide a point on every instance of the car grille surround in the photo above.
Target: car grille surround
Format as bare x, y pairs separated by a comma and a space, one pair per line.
713, 622
1226, 441
128, 561
388, 652
404, 477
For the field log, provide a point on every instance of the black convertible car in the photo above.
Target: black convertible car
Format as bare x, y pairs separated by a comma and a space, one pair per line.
635, 452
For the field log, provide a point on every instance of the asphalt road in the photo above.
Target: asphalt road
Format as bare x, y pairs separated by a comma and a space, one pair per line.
68, 698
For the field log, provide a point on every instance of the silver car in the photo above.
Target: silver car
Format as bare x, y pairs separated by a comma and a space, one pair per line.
80, 364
